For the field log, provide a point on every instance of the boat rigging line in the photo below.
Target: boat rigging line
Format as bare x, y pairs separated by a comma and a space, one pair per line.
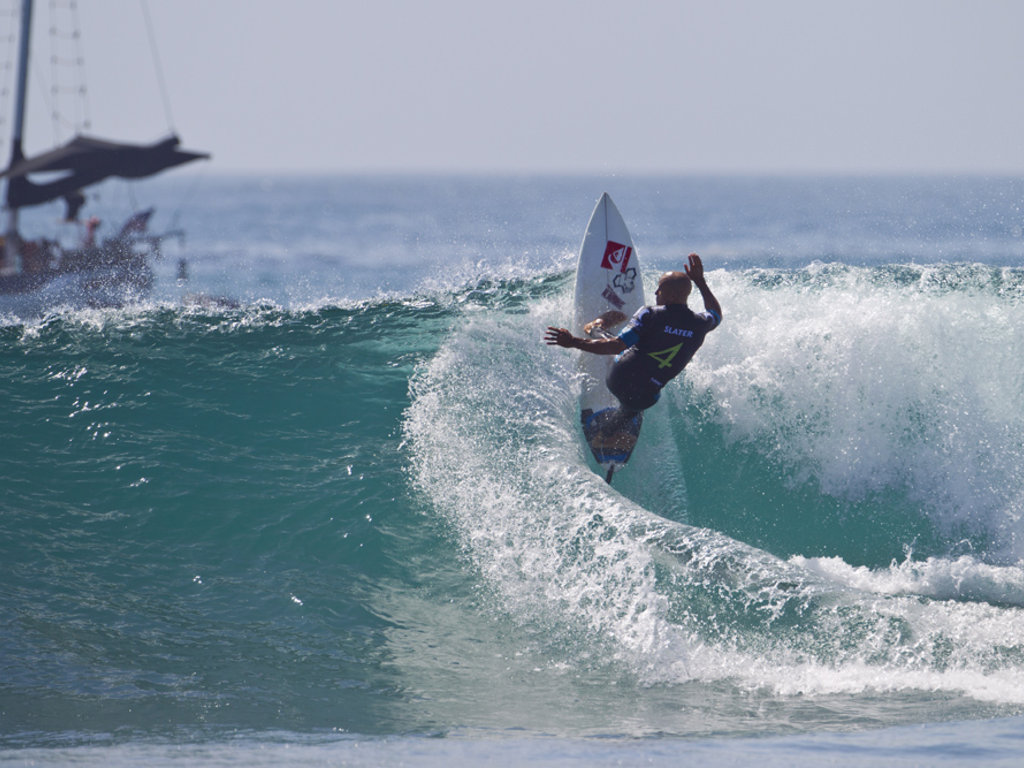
158, 66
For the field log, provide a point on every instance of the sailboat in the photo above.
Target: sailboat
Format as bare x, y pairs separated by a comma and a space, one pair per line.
93, 272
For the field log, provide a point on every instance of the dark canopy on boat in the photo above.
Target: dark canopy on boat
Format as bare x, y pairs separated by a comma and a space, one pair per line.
84, 161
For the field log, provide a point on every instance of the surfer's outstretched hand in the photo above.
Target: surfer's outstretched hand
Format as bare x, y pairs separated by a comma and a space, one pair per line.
558, 337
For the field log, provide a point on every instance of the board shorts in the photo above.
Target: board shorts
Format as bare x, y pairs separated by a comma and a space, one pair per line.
634, 390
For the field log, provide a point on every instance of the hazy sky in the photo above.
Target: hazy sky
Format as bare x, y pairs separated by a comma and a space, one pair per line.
865, 86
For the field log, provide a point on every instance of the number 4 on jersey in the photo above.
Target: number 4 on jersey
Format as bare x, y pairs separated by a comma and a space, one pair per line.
665, 356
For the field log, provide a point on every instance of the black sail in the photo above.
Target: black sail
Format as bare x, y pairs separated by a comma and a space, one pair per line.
84, 161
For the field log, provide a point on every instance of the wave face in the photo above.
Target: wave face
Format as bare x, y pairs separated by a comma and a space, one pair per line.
378, 516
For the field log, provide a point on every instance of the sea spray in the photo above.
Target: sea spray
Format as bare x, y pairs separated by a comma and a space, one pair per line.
494, 445
873, 383
493, 435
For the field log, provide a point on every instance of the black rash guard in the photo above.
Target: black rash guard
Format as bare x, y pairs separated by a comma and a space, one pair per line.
661, 340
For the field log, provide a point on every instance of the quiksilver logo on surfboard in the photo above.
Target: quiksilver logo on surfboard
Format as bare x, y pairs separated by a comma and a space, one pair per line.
616, 256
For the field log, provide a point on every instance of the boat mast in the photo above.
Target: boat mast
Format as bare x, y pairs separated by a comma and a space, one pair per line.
11, 260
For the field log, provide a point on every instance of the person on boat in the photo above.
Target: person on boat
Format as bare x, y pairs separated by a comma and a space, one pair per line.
91, 225
656, 344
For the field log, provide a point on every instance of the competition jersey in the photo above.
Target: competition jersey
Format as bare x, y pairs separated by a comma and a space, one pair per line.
661, 341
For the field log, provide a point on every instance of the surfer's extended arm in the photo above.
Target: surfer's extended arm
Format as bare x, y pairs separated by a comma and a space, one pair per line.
695, 271
563, 338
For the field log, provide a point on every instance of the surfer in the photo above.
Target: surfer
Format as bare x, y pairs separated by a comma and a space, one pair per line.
656, 344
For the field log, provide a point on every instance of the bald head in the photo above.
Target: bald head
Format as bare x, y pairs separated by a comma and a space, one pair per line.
673, 288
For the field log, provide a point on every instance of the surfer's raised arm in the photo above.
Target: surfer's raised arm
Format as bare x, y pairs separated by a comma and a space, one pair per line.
695, 271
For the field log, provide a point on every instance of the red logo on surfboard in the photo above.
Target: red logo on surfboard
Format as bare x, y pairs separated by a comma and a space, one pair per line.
616, 256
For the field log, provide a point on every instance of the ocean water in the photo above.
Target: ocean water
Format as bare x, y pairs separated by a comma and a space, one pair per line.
321, 498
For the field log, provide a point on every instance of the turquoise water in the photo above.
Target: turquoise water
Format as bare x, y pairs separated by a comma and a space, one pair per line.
348, 517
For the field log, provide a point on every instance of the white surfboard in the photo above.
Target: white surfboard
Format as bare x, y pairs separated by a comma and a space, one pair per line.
608, 283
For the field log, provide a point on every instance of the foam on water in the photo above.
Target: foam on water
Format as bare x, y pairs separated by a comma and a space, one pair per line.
839, 381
